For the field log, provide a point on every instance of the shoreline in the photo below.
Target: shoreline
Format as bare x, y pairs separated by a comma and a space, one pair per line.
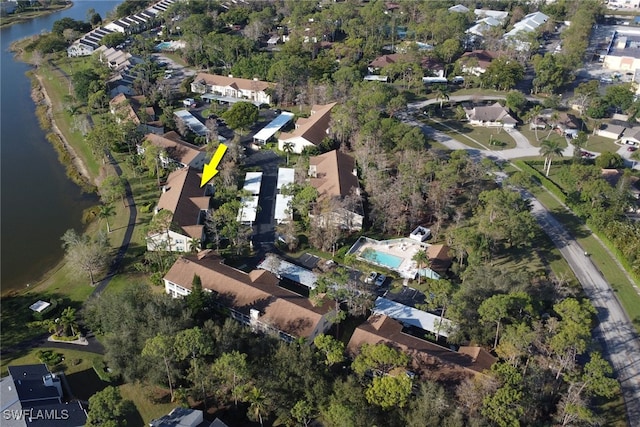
36, 14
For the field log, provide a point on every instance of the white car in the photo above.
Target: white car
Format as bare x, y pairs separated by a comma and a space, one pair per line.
380, 280
371, 277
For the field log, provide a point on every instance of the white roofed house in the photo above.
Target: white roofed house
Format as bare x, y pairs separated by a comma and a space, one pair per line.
490, 116
232, 89
187, 204
335, 177
309, 131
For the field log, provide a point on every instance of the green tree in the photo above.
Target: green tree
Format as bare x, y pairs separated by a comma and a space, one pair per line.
258, 404
241, 116
515, 101
503, 407
331, 348
196, 298
231, 370
82, 81
573, 332
502, 74
550, 74
442, 94
379, 359
423, 261
288, 147
113, 39
161, 348
106, 211
389, 391
549, 149
194, 345
619, 96
303, 412
112, 188
609, 160
108, 409
68, 322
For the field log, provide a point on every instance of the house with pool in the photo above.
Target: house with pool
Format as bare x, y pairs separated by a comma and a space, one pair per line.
397, 255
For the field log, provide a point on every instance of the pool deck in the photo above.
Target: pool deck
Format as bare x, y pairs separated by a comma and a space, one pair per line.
402, 248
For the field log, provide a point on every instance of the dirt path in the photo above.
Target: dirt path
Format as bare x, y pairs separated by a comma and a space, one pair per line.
75, 159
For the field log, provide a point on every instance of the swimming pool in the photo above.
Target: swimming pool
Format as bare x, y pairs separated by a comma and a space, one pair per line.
164, 46
382, 258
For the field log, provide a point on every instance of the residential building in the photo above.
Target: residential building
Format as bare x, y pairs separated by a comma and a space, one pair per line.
309, 131
335, 177
137, 23
8, 7
116, 59
133, 108
427, 358
528, 24
490, 116
611, 130
31, 396
188, 204
483, 25
175, 151
181, 417
498, 15
254, 299
429, 65
249, 203
459, 8
477, 61
231, 89
631, 136
623, 4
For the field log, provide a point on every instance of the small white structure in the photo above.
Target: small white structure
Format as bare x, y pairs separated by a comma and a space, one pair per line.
375, 78
274, 126
192, 122
283, 209
420, 234
248, 210
39, 306
253, 182
459, 8
610, 131
286, 176
413, 317
490, 116
235, 88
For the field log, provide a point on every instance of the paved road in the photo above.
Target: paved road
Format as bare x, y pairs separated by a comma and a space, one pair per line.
620, 342
462, 98
615, 330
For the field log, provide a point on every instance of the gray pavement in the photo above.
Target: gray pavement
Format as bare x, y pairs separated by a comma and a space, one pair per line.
615, 330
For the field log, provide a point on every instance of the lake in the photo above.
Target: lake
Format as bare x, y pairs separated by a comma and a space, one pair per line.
38, 202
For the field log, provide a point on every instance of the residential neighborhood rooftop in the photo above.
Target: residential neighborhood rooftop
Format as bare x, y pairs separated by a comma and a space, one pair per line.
333, 174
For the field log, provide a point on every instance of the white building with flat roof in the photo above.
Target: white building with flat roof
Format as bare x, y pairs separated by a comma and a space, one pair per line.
623, 53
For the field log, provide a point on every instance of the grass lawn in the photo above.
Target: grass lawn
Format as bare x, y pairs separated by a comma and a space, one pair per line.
600, 144
480, 137
542, 135
30, 13
151, 402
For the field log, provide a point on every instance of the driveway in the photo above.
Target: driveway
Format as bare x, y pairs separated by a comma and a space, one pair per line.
462, 98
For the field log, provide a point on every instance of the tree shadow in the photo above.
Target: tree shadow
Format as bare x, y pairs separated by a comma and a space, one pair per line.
85, 384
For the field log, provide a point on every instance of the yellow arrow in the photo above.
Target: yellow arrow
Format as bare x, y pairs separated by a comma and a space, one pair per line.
211, 169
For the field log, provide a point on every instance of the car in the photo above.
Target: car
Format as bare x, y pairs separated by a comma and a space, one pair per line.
380, 280
606, 80
632, 148
586, 154
371, 277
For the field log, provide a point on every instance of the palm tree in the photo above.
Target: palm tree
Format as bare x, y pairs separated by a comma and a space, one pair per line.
287, 147
68, 321
194, 245
258, 403
422, 259
105, 212
549, 149
554, 121
534, 113
442, 94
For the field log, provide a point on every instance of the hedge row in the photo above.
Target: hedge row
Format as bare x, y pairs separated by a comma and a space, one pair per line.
544, 181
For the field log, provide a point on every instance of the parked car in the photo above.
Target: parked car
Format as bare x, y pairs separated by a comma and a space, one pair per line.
380, 280
371, 277
632, 148
586, 154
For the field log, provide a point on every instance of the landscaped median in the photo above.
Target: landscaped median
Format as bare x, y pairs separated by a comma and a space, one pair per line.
604, 255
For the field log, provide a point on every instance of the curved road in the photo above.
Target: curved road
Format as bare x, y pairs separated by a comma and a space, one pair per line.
619, 339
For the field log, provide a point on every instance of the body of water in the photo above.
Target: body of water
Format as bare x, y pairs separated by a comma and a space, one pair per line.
38, 202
